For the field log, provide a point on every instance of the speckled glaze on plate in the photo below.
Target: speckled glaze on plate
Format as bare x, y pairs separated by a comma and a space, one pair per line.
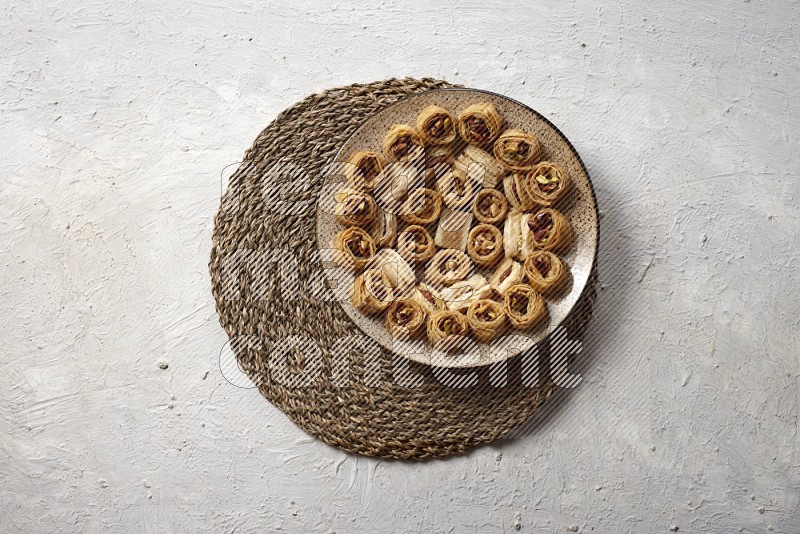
579, 206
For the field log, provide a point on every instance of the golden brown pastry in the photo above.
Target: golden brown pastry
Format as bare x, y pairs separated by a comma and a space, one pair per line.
405, 318
524, 306
396, 271
480, 124
403, 143
457, 189
517, 150
513, 234
428, 298
485, 245
438, 162
486, 319
447, 267
479, 166
517, 194
393, 185
548, 230
547, 183
384, 229
445, 328
461, 294
490, 206
372, 292
363, 169
545, 271
453, 229
507, 274
356, 247
436, 125
354, 208
423, 206
415, 244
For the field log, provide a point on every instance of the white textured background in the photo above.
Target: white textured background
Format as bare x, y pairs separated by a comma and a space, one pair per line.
116, 119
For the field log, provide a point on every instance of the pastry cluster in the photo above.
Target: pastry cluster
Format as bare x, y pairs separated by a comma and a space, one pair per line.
447, 199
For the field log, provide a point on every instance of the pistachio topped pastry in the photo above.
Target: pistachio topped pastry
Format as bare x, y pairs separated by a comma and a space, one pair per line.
356, 246
517, 150
547, 183
436, 125
490, 206
445, 327
480, 124
485, 245
423, 206
402, 143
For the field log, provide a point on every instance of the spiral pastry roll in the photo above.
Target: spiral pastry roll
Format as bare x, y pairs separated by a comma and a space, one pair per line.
517, 194
490, 206
356, 247
446, 327
480, 124
372, 292
438, 162
545, 271
457, 189
547, 183
479, 166
447, 267
428, 298
397, 273
461, 294
513, 234
415, 244
486, 319
549, 230
517, 150
436, 125
524, 306
354, 208
402, 143
423, 206
384, 229
507, 274
405, 318
453, 229
363, 169
485, 245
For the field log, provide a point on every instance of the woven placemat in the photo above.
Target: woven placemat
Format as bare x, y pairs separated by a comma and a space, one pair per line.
281, 319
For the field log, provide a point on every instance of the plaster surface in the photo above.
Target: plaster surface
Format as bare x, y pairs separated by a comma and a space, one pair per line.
117, 119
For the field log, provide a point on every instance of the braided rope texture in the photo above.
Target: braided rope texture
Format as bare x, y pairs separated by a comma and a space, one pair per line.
366, 410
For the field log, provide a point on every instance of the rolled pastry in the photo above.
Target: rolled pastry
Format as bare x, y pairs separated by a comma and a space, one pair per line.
517, 150
415, 244
490, 206
517, 194
393, 185
453, 229
461, 294
402, 143
438, 162
545, 271
356, 247
397, 272
480, 124
548, 230
486, 319
423, 206
384, 229
547, 183
524, 306
372, 292
480, 166
447, 267
512, 234
428, 298
446, 327
354, 208
485, 245
507, 274
436, 125
363, 169
457, 189
405, 318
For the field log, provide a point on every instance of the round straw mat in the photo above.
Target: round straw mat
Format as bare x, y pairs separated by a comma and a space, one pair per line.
295, 341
